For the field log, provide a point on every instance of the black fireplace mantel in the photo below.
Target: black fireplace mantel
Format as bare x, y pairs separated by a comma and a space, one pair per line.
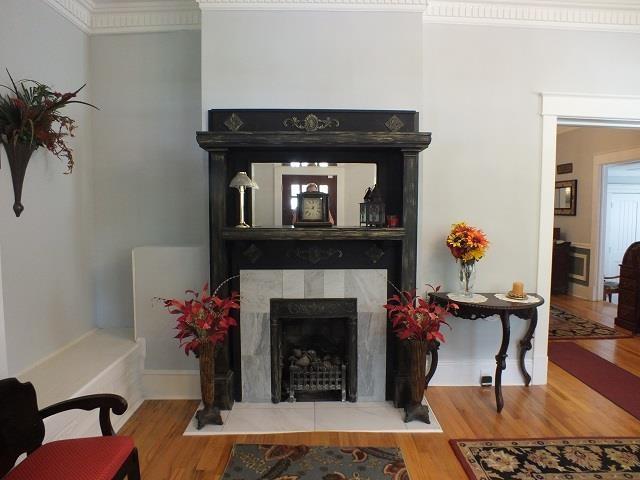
236, 139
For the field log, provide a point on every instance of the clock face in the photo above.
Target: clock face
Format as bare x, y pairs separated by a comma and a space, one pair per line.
312, 209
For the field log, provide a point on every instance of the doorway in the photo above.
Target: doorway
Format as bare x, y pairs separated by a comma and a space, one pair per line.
621, 221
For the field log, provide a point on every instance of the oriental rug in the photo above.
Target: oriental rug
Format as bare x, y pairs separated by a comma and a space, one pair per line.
609, 380
550, 459
301, 462
564, 326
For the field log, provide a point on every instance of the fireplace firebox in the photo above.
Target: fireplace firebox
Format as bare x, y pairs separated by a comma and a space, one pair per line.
314, 349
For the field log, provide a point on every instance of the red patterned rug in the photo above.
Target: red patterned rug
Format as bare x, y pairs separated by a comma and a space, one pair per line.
550, 458
606, 378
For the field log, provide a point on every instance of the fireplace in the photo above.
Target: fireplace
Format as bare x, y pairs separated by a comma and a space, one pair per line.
314, 349
340, 262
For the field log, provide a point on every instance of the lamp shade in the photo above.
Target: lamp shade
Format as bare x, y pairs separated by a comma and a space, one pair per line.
241, 179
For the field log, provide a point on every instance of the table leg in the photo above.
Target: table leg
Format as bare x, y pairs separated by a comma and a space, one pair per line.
501, 358
433, 364
525, 345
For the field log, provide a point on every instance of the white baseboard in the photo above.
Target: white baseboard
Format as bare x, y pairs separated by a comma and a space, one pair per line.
465, 373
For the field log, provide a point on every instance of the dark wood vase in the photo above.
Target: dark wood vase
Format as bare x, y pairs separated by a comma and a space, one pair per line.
417, 353
18, 155
209, 414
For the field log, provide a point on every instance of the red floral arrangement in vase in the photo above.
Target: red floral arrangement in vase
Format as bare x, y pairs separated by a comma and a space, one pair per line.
203, 318
416, 318
417, 321
203, 323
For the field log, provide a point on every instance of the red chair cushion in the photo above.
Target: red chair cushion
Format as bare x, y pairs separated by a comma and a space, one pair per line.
96, 458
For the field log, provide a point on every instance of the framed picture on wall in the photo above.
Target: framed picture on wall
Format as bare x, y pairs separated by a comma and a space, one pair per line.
566, 197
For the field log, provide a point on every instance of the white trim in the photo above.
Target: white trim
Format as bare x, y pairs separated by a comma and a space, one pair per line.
57, 352
557, 106
157, 16
599, 215
315, 5
130, 17
620, 17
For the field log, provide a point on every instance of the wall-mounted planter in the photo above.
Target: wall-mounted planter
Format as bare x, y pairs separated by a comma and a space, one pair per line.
18, 155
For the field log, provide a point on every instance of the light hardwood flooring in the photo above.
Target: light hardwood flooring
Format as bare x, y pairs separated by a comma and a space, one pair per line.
563, 407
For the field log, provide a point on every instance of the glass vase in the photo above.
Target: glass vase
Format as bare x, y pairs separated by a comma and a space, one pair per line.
467, 277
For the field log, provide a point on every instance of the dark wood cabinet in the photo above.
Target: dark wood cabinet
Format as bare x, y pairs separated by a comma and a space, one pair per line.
629, 297
560, 267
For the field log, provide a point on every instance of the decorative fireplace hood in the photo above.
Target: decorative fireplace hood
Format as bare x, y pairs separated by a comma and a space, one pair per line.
237, 139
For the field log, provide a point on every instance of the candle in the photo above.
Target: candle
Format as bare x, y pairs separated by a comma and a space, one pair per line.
518, 289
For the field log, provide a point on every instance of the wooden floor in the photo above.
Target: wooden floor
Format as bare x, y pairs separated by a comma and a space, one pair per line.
563, 407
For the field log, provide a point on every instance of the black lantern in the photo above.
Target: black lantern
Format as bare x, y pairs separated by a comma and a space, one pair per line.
372, 211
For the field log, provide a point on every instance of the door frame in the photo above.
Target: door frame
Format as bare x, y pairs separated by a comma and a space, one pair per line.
566, 107
278, 172
599, 215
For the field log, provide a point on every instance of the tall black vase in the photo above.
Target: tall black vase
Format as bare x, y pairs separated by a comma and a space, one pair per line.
18, 155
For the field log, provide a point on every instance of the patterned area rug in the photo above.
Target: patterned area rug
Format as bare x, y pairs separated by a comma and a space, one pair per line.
565, 325
288, 462
551, 459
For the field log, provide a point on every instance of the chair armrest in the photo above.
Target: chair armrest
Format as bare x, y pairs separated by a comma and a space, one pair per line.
106, 402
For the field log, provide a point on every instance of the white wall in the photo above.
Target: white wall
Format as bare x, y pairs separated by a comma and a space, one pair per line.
46, 264
150, 178
310, 60
482, 103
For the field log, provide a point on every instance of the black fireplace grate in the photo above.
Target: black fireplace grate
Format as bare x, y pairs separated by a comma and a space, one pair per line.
310, 379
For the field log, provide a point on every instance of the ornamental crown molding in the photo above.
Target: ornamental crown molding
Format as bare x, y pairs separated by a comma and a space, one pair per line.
129, 17
330, 5
566, 14
98, 16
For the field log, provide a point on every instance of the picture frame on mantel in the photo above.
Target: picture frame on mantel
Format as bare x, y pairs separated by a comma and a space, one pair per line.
566, 197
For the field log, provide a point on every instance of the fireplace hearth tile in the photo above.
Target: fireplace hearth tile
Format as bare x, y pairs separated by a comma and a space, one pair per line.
314, 284
258, 287
253, 340
266, 418
257, 387
293, 284
334, 284
368, 286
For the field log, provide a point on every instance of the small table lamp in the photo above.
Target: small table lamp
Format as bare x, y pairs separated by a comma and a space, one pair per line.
242, 181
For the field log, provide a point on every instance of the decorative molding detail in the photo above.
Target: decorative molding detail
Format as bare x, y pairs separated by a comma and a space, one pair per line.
252, 254
94, 17
331, 5
314, 254
77, 12
233, 123
394, 124
311, 123
374, 253
620, 16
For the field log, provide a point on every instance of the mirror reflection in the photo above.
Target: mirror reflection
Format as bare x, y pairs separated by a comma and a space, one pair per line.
565, 197
274, 204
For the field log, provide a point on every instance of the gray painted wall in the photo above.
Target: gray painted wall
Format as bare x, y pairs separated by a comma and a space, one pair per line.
150, 176
47, 270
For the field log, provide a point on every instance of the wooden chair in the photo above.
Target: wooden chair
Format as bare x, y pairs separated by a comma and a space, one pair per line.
611, 286
22, 431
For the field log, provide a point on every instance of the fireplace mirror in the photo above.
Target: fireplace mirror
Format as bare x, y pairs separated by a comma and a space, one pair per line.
276, 200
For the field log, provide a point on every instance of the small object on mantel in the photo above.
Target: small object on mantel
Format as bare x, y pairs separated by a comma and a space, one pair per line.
517, 291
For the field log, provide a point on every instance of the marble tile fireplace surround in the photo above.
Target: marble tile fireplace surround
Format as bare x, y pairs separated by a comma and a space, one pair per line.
258, 287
